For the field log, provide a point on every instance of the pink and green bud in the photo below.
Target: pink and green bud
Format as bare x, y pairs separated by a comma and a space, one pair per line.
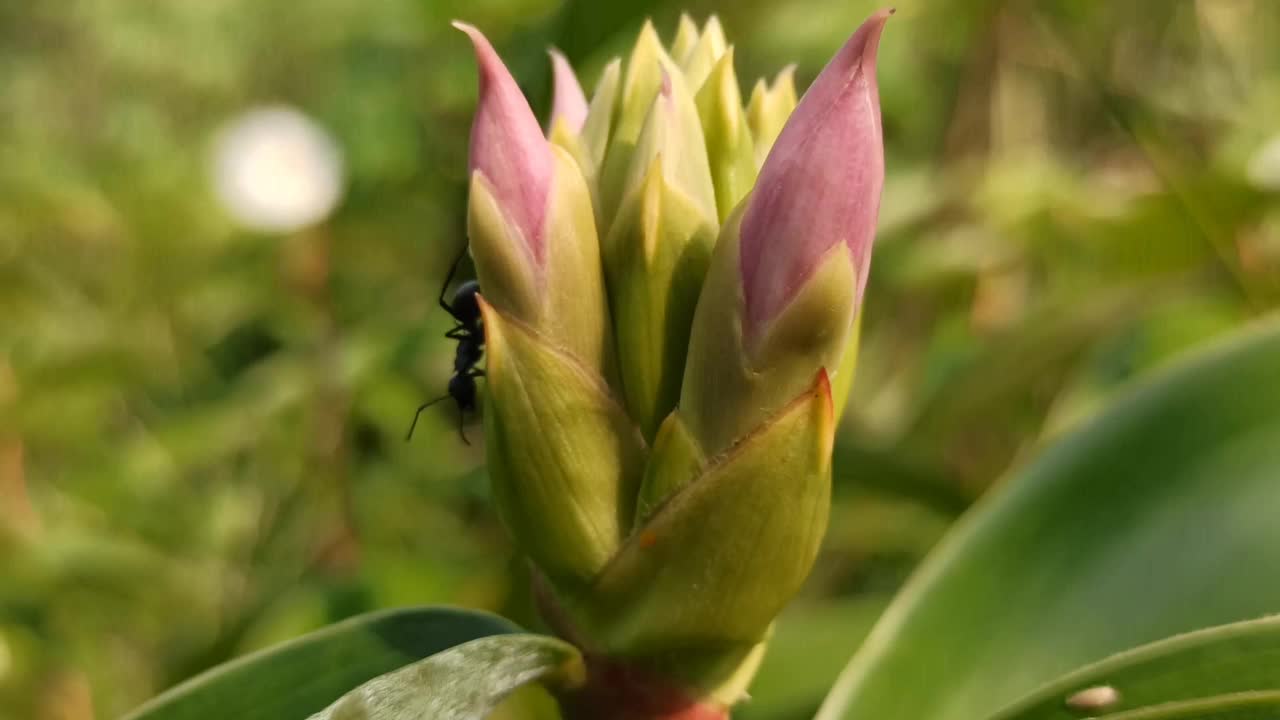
562, 490
569, 111
508, 152
671, 289
819, 189
791, 264
530, 221
568, 102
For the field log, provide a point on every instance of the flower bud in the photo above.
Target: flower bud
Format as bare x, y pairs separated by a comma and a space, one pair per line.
568, 102
686, 38
657, 251
645, 67
729, 144
566, 491
599, 121
530, 222
669, 342
791, 263
704, 54
769, 108
508, 152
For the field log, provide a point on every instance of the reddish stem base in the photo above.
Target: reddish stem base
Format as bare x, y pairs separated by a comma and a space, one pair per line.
616, 692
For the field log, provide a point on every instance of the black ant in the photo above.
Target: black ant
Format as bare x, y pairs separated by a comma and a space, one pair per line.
465, 311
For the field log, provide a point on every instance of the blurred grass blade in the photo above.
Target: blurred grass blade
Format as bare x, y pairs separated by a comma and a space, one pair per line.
1230, 659
462, 683
1156, 519
296, 679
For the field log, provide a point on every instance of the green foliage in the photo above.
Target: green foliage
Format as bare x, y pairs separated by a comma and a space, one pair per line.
302, 677
1155, 520
464, 683
1207, 664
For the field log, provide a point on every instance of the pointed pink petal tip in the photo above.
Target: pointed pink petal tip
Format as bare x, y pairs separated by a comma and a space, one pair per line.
820, 185
508, 148
568, 102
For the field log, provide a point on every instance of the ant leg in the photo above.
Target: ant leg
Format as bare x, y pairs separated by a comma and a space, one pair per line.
459, 333
409, 435
448, 279
461, 429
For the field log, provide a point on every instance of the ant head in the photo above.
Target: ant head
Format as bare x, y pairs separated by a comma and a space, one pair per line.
465, 305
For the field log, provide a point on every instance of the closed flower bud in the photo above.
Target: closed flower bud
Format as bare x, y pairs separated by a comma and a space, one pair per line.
508, 153
769, 108
566, 490
657, 250
686, 38
704, 55
568, 102
641, 82
729, 145
599, 121
790, 266
530, 221
670, 334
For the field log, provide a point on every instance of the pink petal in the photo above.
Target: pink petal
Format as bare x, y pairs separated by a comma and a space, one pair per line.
507, 147
568, 102
820, 184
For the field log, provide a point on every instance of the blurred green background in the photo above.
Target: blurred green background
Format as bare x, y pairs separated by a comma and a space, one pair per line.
201, 425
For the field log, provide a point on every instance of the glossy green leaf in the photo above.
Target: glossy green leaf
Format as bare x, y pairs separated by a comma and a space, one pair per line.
463, 683
1238, 706
296, 679
1156, 519
1226, 660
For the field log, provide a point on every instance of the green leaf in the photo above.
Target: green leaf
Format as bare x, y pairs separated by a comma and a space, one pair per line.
463, 683
1229, 659
1238, 706
1156, 519
295, 679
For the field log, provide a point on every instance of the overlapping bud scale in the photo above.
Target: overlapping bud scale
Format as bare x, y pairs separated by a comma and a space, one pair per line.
671, 285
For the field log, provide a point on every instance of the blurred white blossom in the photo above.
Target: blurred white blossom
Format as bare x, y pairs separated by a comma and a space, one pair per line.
277, 170
1264, 166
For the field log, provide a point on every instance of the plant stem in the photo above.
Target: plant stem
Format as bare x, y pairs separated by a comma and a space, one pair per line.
616, 692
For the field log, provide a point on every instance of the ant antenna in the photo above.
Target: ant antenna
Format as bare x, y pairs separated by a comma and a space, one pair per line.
409, 436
